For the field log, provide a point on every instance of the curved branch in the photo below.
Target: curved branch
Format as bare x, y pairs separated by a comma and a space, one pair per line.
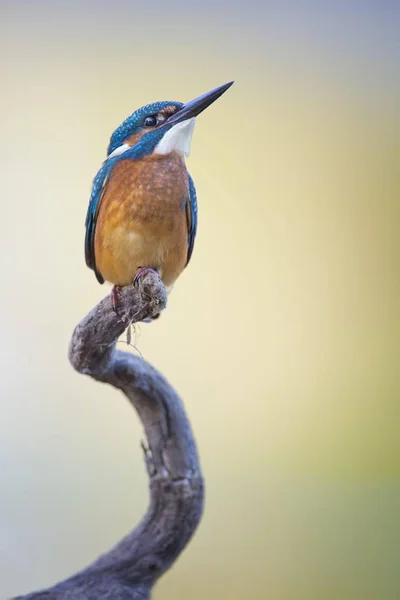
130, 569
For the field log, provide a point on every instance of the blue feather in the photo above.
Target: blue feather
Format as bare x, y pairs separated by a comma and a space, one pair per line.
191, 213
98, 187
134, 123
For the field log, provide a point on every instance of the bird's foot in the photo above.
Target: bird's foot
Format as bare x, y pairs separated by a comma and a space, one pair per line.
141, 271
114, 297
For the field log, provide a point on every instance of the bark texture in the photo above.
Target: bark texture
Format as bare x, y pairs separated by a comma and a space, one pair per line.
131, 568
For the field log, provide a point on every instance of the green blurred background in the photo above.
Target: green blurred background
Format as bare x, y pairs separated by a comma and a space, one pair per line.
282, 336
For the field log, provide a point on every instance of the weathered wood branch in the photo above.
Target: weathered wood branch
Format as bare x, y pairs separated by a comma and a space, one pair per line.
130, 569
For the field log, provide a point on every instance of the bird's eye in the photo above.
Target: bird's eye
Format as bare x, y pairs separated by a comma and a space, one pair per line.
150, 121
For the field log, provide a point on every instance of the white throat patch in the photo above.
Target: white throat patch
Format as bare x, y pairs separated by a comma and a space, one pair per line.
177, 138
119, 150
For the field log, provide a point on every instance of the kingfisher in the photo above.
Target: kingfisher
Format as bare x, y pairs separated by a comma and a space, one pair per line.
142, 214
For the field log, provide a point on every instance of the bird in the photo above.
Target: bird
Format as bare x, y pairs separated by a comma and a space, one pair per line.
142, 214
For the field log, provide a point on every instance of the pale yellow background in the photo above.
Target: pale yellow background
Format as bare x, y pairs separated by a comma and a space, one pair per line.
283, 334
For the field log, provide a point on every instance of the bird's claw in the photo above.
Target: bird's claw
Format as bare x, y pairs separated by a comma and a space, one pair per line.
114, 297
143, 271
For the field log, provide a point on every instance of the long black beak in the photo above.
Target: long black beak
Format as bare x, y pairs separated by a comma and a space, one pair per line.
196, 106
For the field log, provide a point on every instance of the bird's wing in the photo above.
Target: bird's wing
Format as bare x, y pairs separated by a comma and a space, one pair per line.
191, 216
98, 189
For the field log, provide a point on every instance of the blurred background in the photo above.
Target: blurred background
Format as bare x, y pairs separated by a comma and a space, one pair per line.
283, 335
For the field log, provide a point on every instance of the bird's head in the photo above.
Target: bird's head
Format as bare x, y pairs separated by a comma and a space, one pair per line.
161, 127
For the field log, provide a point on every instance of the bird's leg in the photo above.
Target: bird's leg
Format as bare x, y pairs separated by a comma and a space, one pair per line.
114, 297
141, 271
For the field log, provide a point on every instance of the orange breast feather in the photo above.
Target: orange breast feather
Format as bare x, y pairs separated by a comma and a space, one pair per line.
142, 219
